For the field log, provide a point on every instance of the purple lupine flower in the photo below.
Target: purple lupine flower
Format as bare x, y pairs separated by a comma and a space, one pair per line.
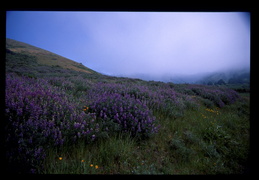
126, 111
77, 125
93, 137
139, 128
78, 134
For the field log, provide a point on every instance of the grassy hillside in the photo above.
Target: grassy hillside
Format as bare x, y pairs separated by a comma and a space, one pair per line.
43, 57
63, 121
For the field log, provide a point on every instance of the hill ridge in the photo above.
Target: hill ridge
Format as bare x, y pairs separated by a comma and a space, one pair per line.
45, 57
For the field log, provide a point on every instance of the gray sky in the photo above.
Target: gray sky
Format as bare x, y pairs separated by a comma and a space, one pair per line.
128, 43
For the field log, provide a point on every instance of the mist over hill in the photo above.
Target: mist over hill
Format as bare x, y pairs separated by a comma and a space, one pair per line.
160, 46
239, 76
232, 76
22, 57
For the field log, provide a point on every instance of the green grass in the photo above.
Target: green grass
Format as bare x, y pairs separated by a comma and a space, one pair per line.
202, 141
42, 57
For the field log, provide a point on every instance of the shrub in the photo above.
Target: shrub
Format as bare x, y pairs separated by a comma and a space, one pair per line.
208, 103
129, 113
38, 116
219, 96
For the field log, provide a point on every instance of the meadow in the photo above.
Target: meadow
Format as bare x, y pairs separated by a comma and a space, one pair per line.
67, 122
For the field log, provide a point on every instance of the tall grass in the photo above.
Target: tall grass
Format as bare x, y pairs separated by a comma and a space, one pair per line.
204, 141
105, 156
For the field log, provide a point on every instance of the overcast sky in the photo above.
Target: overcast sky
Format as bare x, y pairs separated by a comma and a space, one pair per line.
128, 43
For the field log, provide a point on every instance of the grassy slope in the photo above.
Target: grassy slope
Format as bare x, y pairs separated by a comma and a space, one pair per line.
203, 141
207, 141
45, 57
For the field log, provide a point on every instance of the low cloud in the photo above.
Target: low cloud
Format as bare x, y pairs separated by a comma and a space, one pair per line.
168, 43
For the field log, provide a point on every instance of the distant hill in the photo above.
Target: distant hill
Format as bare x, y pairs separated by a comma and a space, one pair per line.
241, 76
25, 56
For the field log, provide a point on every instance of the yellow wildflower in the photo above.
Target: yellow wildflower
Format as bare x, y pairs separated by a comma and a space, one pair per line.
96, 166
91, 165
82, 160
60, 158
86, 108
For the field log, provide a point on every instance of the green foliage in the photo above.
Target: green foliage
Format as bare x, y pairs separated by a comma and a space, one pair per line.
208, 103
182, 153
20, 62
